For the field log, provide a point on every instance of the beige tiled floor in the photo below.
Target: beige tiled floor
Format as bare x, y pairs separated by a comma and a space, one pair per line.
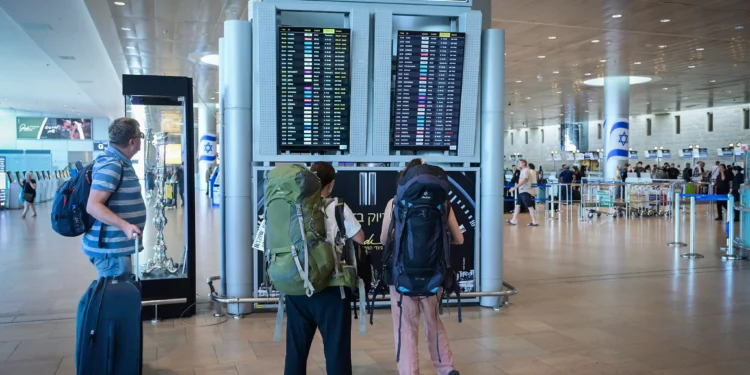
597, 297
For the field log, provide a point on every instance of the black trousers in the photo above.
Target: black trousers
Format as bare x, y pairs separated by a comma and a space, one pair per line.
719, 206
326, 311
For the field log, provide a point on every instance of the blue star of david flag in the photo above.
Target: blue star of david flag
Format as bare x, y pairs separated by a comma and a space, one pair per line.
207, 148
616, 148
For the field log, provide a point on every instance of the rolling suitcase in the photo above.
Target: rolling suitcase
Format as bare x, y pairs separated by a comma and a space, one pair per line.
109, 335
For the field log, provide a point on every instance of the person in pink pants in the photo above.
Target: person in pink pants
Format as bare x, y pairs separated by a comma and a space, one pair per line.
411, 309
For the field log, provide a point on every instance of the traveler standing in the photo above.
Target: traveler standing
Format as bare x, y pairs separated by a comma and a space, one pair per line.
325, 310
120, 213
406, 310
526, 194
29, 195
723, 187
687, 173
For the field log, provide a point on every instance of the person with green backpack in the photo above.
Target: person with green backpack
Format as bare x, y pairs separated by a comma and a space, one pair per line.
303, 264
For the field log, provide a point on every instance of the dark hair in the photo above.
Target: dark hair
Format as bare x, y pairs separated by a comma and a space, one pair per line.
412, 163
325, 171
532, 166
122, 130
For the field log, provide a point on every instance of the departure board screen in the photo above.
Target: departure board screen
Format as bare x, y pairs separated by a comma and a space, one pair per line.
429, 73
314, 88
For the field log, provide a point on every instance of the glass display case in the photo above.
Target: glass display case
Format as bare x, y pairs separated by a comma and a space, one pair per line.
166, 265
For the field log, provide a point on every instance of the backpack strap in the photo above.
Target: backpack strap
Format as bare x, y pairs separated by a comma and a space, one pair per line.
279, 318
119, 183
400, 315
362, 305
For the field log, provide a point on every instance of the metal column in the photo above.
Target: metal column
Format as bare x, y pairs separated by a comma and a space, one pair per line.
220, 178
236, 164
616, 127
492, 200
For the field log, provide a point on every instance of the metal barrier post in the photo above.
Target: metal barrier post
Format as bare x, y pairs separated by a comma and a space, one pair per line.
730, 255
677, 219
551, 204
692, 253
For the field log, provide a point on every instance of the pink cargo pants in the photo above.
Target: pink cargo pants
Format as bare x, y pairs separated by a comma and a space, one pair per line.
437, 337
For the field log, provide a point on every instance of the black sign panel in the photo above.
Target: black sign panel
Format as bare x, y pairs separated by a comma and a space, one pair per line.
368, 193
100, 145
429, 74
314, 88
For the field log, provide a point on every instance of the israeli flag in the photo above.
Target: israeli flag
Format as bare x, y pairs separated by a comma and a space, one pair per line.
207, 148
618, 139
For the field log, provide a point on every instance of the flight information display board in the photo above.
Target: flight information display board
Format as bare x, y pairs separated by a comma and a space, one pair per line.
314, 88
429, 74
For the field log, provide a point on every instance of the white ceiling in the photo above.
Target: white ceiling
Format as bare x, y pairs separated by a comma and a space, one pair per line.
169, 36
52, 59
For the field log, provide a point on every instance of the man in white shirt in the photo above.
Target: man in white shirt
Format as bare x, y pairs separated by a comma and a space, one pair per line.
526, 194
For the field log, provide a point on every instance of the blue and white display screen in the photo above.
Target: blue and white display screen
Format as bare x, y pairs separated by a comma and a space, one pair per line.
3, 181
314, 88
429, 76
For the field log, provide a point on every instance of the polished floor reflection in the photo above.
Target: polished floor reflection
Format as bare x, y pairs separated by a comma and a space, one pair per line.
601, 296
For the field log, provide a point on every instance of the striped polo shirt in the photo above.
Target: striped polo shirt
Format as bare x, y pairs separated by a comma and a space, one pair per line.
126, 202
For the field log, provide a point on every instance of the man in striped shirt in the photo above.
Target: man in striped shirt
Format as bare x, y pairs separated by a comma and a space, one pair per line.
115, 202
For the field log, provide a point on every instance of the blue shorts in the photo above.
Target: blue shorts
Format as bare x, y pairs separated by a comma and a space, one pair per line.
525, 199
112, 265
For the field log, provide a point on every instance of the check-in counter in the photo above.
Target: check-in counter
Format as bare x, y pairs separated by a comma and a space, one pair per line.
15, 189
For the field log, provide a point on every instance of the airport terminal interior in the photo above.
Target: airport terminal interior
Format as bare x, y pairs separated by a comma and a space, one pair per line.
626, 123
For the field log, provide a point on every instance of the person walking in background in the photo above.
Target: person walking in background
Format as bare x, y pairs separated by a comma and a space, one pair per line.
29, 195
209, 172
526, 194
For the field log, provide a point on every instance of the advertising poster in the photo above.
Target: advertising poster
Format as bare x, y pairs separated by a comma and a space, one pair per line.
367, 193
53, 128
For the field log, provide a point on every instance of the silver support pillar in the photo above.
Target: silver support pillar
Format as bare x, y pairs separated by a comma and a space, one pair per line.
616, 127
206, 141
492, 131
220, 177
237, 164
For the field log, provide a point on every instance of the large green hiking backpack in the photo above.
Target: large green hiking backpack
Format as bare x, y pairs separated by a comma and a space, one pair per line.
299, 260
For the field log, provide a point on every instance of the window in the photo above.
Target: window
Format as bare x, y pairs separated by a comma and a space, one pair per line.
746, 118
710, 118
599, 131
677, 124
542, 135
526, 135
511, 139
648, 127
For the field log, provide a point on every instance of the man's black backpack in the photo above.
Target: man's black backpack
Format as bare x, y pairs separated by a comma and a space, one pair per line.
69, 216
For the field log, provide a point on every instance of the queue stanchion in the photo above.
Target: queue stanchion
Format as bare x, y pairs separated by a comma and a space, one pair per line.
549, 213
730, 254
692, 253
677, 220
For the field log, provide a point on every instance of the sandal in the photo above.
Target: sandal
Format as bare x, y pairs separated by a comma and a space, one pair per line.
533, 224
510, 222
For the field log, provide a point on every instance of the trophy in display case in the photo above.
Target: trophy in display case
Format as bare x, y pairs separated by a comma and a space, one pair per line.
160, 264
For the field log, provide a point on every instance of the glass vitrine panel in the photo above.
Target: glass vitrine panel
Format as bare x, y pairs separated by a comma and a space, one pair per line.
160, 168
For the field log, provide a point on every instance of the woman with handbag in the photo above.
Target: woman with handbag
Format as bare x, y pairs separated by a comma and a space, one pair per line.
29, 195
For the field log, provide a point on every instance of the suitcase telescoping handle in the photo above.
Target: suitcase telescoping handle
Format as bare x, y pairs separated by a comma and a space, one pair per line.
136, 266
